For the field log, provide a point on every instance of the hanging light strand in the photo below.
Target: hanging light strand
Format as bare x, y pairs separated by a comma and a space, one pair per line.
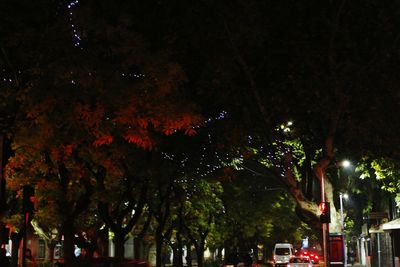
76, 36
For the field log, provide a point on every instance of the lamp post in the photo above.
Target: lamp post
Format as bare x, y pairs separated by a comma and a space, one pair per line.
344, 164
324, 225
342, 224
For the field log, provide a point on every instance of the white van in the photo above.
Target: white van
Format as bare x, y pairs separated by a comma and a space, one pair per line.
283, 252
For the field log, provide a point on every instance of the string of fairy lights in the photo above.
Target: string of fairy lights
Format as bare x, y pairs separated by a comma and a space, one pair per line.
276, 157
6, 78
76, 37
274, 153
133, 75
209, 161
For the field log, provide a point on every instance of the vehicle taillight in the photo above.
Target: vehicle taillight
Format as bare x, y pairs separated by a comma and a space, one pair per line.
274, 257
316, 256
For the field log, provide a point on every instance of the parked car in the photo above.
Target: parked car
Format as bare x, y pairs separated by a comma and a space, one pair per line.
240, 259
312, 255
299, 262
282, 253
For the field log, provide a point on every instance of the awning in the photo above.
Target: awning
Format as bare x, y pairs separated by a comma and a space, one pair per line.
392, 225
375, 231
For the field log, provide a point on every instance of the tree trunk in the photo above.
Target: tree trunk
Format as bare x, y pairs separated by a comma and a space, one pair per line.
219, 253
3, 203
179, 238
179, 249
138, 248
162, 213
200, 253
50, 246
102, 242
119, 242
16, 239
189, 255
335, 225
175, 259
255, 248
68, 245
159, 243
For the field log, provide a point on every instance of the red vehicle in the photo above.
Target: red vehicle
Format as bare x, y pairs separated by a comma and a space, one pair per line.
311, 255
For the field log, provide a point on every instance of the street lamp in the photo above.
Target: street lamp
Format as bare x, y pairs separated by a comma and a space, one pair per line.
345, 196
324, 225
346, 163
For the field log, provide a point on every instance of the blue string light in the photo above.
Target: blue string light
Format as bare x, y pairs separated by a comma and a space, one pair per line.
76, 37
205, 165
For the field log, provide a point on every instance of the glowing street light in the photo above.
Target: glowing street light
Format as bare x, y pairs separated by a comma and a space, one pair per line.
343, 163
346, 163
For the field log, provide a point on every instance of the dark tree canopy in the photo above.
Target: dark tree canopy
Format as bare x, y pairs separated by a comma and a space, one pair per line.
90, 78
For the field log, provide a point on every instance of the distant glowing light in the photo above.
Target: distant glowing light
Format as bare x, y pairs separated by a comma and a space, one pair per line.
346, 163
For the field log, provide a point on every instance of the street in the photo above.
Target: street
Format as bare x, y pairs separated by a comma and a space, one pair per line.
321, 264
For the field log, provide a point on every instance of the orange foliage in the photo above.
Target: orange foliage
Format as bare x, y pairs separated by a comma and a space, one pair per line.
143, 123
190, 131
55, 154
40, 108
112, 168
92, 118
67, 150
16, 162
105, 139
136, 118
141, 140
127, 114
185, 122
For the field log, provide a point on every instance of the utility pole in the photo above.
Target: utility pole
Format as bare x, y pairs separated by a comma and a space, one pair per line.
324, 225
342, 221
